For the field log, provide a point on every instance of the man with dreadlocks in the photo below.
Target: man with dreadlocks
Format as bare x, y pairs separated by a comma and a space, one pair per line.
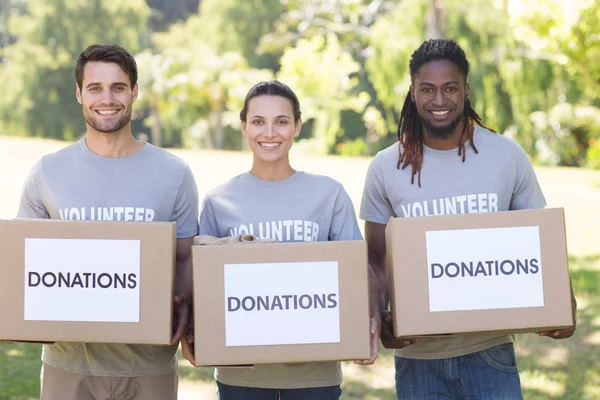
447, 162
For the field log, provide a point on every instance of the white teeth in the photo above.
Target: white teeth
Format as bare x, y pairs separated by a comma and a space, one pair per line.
270, 145
107, 112
444, 112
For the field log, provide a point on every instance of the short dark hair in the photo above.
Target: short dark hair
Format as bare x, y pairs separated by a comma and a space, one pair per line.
273, 88
109, 53
439, 49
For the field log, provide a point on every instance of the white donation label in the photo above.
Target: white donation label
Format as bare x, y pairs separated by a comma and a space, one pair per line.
86, 280
281, 303
482, 269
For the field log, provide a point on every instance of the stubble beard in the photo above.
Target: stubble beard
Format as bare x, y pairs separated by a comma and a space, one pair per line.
88, 115
441, 132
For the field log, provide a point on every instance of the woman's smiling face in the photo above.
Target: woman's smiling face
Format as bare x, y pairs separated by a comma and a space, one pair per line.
270, 128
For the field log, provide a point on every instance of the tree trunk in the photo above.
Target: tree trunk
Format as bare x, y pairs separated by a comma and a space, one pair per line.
216, 119
435, 20
155, 129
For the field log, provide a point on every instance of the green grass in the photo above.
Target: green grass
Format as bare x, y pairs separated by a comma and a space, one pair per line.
20, 371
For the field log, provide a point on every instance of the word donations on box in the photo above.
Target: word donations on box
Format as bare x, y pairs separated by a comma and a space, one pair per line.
83, 280
281, 303
481, 269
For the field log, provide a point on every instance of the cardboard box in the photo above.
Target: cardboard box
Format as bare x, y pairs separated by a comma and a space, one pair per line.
281, 303
86, 281
500, 271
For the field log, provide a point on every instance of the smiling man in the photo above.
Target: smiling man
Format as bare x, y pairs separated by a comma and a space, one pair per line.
109, 175
460, 168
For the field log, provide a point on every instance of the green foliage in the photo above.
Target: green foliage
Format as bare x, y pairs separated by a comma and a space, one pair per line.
564, 133
560, 62
193, 92
350, 24
320, 73
567, 34
387, 65
9, 8
352, 148
350, 21
593, 153
239, 26
347, 60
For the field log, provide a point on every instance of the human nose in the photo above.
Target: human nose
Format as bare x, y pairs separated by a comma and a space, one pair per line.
438, 98
269, 131
107, 96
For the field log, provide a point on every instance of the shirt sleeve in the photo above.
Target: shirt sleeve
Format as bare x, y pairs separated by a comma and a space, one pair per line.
208, 220
185, 213
375, 205
343, 224
31, 204
527, 193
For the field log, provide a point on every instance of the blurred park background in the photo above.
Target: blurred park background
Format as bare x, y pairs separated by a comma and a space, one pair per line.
535, 67
535, 77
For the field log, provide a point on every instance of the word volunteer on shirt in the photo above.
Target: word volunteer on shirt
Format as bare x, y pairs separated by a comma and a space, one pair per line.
469, 203
291, 230
124, 213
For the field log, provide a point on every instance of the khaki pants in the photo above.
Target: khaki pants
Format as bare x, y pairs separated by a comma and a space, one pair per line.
61, 385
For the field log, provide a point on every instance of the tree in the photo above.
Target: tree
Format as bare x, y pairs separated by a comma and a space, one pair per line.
8, 8
167, 12
38, 73
238, 26
565, 33
195, 93
561, 39
322, 76
350, 23
387, 65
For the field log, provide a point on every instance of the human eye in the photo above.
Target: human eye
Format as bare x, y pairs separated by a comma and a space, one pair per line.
94, 89
257, 121
451, 89
282, 122
119, 88
426, 90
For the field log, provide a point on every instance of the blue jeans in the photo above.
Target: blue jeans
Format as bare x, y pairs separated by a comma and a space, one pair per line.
226, 392
490, 374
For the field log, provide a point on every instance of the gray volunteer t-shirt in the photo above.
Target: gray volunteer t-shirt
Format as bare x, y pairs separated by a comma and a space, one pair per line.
499, 178
77, 184
303, 207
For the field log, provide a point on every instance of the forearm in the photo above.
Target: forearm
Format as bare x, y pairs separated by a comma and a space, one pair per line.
183, 268
378, 273
384, 287
573, 304
375, 235
374, 292
184, 278
378, 291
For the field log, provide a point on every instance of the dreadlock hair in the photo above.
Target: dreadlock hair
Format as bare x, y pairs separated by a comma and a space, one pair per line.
410, 129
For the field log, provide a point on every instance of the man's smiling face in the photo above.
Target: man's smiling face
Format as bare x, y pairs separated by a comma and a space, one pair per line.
439, 91
107, 96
